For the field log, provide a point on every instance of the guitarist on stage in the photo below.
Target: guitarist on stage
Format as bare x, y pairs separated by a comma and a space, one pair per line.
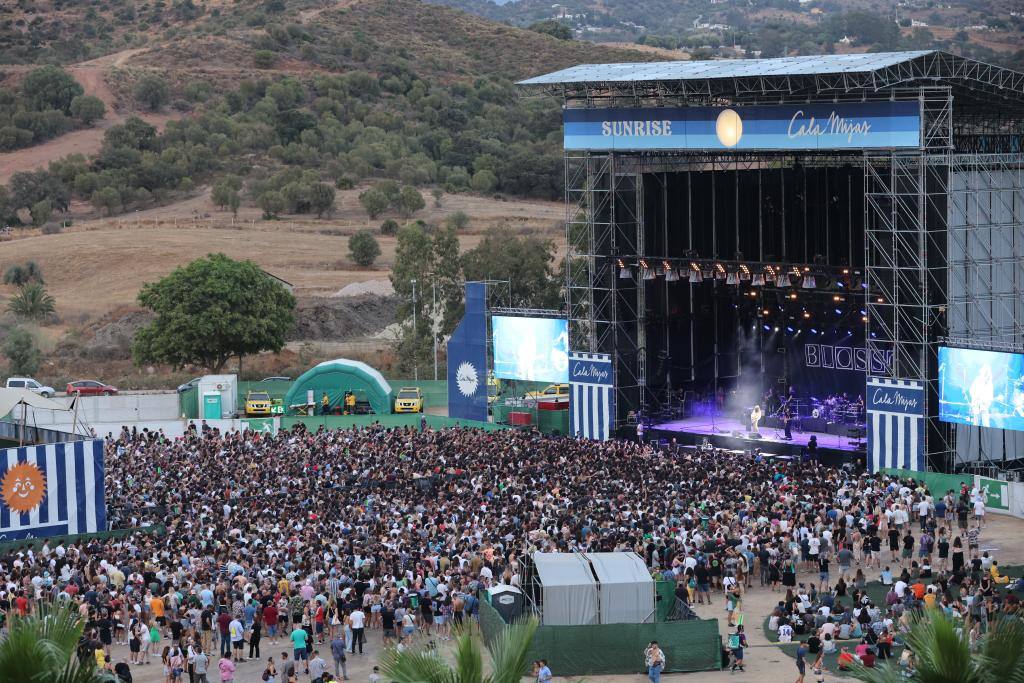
787, 421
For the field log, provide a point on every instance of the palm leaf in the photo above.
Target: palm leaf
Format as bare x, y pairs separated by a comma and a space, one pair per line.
469, 661
1002, 652
510, 649
41, 648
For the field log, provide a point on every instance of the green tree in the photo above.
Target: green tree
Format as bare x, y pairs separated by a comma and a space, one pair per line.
272, 203
509, 662
363, 248
321, 199
484, 181
29, 187
41, 212
263, 59
21, 274
457, 221
106, 198
23, 359
50, 87
374, 202
389, 227
942, 653
525, 261
32, 302
414, 260
225, 195
151, 91
447, 279
409, 201
552, 27
210, 311
87, 109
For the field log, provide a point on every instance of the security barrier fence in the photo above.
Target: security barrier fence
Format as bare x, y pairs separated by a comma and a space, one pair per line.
602, 649
54, 541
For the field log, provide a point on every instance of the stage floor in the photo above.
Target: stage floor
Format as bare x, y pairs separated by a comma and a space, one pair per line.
724, 427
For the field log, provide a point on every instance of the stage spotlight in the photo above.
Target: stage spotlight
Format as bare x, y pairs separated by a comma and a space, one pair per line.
846, 271
671, 275
863, 312
767, 328
782, 280
839, 311
650, 274
757, 280
840, 285
806, 314
836, 297
625, 272
814, 331
789, 329
776, 329
744, 272
766, 312
732, 279
793, 295
695, 276
880, 300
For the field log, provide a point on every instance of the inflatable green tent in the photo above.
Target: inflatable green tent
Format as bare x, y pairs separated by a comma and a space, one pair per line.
335, 377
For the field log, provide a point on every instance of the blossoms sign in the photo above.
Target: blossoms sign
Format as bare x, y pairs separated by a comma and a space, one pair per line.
857, 125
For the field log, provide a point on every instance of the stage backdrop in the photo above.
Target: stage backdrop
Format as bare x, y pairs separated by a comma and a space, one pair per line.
591, 395
467, 359
52, 490
895, 424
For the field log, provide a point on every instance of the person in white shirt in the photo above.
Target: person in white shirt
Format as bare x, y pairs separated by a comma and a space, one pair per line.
358, 621
785, 633
901, 588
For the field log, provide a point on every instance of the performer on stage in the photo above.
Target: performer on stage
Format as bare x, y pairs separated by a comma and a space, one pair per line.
787, 419
755, 418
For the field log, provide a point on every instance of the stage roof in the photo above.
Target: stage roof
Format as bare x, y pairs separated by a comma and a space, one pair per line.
724, 68
820, 76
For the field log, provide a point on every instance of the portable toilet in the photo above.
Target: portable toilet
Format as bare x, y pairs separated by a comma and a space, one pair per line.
212, 409
507, 600
225, 388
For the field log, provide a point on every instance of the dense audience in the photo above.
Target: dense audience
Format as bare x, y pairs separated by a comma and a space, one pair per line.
318, 538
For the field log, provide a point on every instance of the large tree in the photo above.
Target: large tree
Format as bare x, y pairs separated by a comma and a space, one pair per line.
526, 262
210, 311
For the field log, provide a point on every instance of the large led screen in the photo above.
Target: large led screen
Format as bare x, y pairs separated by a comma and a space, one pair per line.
535, 349
983, 388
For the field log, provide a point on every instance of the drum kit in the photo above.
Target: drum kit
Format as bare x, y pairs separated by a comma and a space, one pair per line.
837, 410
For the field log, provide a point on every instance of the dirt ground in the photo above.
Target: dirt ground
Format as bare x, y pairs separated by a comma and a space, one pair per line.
765, 663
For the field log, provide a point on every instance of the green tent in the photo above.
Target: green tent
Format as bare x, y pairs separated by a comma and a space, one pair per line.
335, 377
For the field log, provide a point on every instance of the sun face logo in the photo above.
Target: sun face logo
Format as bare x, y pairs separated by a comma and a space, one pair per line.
466, 379
23, 487
729, 128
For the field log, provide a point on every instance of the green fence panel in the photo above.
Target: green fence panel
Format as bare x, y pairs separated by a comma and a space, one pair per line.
936, 482
666, 591
401, 420
188, 404
602, 649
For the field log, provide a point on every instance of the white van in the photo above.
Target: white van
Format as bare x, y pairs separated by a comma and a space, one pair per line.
31, 385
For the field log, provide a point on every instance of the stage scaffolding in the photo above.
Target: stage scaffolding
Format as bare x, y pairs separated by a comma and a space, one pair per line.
944, 223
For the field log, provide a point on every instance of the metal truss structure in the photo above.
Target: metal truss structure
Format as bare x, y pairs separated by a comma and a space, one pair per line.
944, 223
906, 265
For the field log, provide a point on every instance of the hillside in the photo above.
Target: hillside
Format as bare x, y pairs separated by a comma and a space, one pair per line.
283, 105
984, 29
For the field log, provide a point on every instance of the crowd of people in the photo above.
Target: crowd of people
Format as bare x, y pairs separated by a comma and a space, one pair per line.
313, 540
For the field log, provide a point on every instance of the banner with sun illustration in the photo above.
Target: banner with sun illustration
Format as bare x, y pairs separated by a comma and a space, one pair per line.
52, 490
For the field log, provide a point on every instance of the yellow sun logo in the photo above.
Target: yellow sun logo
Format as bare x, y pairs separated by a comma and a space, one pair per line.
23, 487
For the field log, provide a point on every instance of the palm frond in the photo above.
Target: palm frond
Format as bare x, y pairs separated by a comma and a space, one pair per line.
941, 651
42, 648
1002, 652
469, 661
510, 649
416, 665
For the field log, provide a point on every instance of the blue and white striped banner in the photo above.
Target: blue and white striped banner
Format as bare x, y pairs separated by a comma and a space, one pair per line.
591, 395
52, 490
895, 424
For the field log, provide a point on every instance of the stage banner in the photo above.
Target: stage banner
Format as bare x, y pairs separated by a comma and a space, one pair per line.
467, 359
52, 490
591, 395
895, 424
842, 125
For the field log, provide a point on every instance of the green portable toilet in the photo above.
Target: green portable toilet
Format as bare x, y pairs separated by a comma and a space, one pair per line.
211, 406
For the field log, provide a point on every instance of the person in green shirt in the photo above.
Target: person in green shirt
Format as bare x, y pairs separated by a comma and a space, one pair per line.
299, 637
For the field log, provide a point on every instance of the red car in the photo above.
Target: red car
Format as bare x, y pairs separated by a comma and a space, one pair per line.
90, 387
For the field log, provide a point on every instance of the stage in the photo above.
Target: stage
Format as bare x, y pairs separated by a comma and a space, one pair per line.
725, 432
